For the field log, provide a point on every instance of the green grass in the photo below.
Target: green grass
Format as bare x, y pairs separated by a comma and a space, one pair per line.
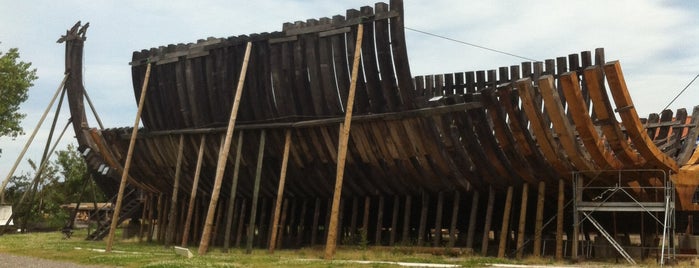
131, 253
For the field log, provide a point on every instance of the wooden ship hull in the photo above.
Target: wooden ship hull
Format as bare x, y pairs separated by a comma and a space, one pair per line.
422, 150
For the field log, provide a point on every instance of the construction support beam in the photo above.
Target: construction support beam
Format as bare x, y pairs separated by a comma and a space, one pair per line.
172, 217
559, 220
522, 221
331, 244
234, 191
539, 223
472, 220
437, 240
488, 221
223, 156
280, 191
127, 164
505, 227
255, 193
423, 218
193, 193
454, 218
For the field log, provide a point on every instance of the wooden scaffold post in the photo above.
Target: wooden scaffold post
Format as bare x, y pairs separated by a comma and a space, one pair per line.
127, 164
280, 192
193, 193
331, 243
223, 157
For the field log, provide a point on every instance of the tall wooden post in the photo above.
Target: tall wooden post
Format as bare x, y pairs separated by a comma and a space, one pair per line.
234, 192
505, 228
379, 221
522, 221
316, 218
280, 191
365, 220
488, 221
472, 220
437, 240
331, 243
193, 194
127, 164
454, 218
255, 194
241, 223
405, 239
423, 218
538, 225
172, 218
394, 220
223, 157
559, 220
302, 223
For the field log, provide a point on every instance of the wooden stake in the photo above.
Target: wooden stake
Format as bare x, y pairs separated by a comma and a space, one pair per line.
405, 239
454, 218
127, 164
280, 191
559, 220
255, 193
193, 193
302, 223
331, 243
522, 221
379, 221
234, 192
472, 220
172, 220
394, 220
488, 220
316, 218
505, 228
538, 225
423, 219
144, 214
365, 220
353, 219
223, 156
280, 225
241, 223
437, 240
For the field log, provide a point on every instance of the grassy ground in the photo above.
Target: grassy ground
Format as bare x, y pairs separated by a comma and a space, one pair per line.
130, 253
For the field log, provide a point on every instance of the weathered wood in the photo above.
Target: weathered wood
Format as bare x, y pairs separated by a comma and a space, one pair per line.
172, 221
255, 194
423, 218
379, 222
538, 224
223, 156
437, 239
280, 191
301, 230
316, 216
241, 223
559, 219
405, 237
364, 234
505, 227
353, 219
454, 219
277, 239
394, 220
331, 243
488, 220
522, 221
127, 164
472, 218
233, 193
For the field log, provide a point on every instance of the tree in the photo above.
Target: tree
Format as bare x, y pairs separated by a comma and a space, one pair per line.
16, 78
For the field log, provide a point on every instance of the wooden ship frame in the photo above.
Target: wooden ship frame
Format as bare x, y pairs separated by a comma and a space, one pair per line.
431, 161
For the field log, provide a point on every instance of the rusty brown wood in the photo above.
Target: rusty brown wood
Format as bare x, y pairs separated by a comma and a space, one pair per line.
454, 219
280, 191
538, 223
505, 224
437, 239
471, 231
644, 145
522, 221
127, 164
394, 220
488, 221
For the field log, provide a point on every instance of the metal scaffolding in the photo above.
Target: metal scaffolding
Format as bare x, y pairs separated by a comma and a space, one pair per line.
654, 196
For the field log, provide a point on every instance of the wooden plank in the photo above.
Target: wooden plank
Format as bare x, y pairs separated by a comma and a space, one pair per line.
504, 227
233, 192
488, 221
400, 54
539, 220
255, 193
172, 221
522, 221
644, 145
388, 82
471, 231
587, 132
617, 140
692, 134
280, 191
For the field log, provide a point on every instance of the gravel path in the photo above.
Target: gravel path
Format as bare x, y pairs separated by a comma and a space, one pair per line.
7, 260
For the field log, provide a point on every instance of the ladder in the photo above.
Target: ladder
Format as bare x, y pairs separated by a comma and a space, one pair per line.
609, 238
132, 205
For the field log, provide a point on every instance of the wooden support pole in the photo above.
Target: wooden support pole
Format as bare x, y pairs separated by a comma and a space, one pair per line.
405, 238
488, 221
255, 193
379, 222
280, 191
127, 164
316, 218
559, 220
538, 225
223, 157
470, 233
423, 219
193, 193
353, 219
454, 218
437, 240
172, 218
234, 192
162, 220
522, 221
365, 220
331, 243
577, 196
241, 223
505, 227
302, 223
31, 138
394, 220
281, 225
144, 214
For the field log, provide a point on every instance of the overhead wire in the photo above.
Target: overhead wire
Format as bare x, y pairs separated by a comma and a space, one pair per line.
681, 92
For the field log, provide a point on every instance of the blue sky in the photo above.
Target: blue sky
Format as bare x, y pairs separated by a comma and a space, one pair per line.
656, 42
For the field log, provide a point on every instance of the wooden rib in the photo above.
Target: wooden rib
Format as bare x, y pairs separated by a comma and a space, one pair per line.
583, 123
543, 135
566, 137
692, 134
594, 79
627, 112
